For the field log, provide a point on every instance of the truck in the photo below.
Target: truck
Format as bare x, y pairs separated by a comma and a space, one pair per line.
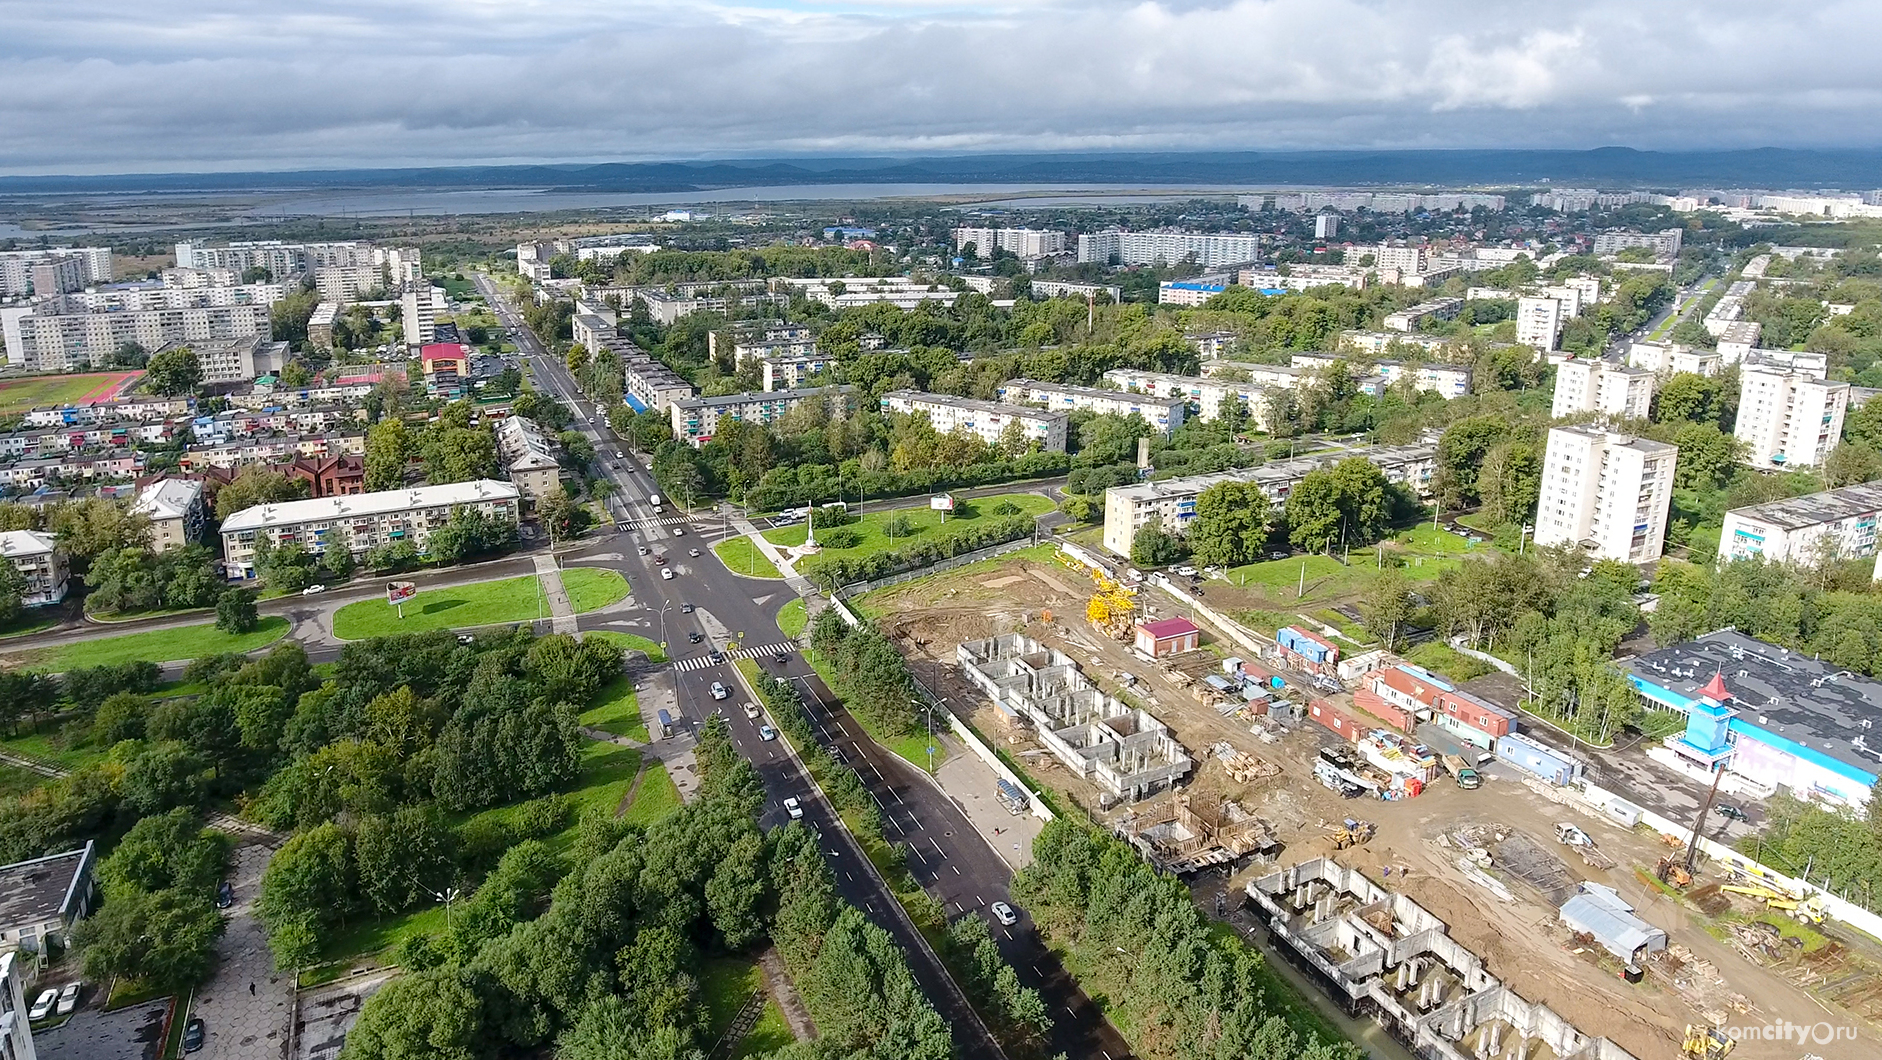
1466, 776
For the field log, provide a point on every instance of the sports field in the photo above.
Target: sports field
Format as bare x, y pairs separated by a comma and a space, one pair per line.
19, 395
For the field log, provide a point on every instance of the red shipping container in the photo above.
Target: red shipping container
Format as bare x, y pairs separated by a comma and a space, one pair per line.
1391, 713
1472, 712
1341, 721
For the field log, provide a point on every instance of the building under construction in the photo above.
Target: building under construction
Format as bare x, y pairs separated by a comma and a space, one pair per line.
1179, 837
1384, 955
1122, 749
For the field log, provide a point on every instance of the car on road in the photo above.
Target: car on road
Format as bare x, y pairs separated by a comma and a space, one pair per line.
693, 552
313, 590
666, 574
679, 531
643, 549
719, 691
751, 711
686, 609
193, 1035
42, 1005
1004, 913
794, 808
1729, 812
68, 998
225, 895
660, 560
1186, 572
694, 637
782, 660
767, 733
715, 657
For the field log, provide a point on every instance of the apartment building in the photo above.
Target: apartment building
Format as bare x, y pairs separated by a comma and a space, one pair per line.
1028, 243
1585, 384
419, 309
1143, 248
987, 420
1302, 277
1605, 493
1171, 502
1668, 358
1401, 257
41, 563
149, 295
1804, 362
1326, 225
1665, 245
359, 522
771, 343
528, 456
1446, 380
42, 340
794, 373
1374, 343
1409, 318
1737, 339
1204, 395
696, 420
320, 325
1163, 413
16, 1032
16, 267
903, 292
176, 512
1266, 376
283, 259
1788, 418
591, 327
1188, 292
1838, 523
239, 360
57, 276
1538, 321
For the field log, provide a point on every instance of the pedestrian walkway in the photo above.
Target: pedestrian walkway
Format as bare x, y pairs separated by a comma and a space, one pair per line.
798, 583
767, 651
648, 522
562, 612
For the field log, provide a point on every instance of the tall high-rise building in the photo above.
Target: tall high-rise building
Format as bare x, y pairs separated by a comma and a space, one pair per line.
420, 308
1326, 225
1594, 385
1144, 248
1605, 493
1024, 242
1788, 418
1538, 322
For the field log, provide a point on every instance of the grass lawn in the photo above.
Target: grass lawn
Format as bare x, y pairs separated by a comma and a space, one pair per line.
16, 781
1326, 578
159, 645
457, 607
32, 620
724, 985
869, 605
39, 745
791, 618
924, 524
656, 798
632, 643
591, 588
740, 556
20, 395
912, 747
1447, 662
616, 710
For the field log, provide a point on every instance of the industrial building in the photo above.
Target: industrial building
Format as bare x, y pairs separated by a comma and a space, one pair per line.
1163, 413
1838, 524
1123, 750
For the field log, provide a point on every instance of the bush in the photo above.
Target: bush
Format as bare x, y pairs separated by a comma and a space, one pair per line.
844, 570
838, 537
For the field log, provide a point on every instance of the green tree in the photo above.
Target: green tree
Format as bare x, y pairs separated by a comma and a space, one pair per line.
557, 514
1385, 605
1851, 463
235, 611
459, 454
1232, 524
403, 859
431, 1014
170, 850
1707, 456
257, 485
1152, 546
310, 880
161, 777
1688, 397
174, 371
388, 450
160, 938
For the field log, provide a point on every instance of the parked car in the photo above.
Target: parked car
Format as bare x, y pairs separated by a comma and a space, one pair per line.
794, 808
225, 895
1186, 572
193, 1035
660, 560
1004, 913
679, 531
767, 733
643, 549
42, 1005
1729, 812
719, 691
68, 998
313, 590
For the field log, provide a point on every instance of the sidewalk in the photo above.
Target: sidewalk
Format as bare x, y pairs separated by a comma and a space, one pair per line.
561, 611
970, 784
798, 583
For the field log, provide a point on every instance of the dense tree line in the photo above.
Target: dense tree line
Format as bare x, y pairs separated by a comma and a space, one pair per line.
158, 923
1841, 850
1810, 610
870, 675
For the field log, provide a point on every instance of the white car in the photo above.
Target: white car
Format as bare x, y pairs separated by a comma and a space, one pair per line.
1187, 572
313, 590
794, 808
68, 998
693, 552
42, 1005
679, 531
767, 733
643, 550
751, 711
1004, 913
719, 690
666, 574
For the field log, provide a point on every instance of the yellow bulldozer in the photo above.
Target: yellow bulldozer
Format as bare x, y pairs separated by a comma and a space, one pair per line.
1706, 1043
1351, 833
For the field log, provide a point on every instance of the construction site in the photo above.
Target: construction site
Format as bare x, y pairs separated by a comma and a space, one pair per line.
1494, 865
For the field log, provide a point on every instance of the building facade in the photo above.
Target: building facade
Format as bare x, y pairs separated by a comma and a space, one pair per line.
528, 456
360, 522
696, 420
1163, 413
41, 563
1838, 524
1788, 418
1594, 385
176, 512
986, 420
1409, 318
1668, 358
1144, 248
1605, 493
1026, 243
1538, 321
1204, 394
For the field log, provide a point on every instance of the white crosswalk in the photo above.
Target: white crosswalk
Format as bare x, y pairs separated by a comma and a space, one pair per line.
648, 522
765, 652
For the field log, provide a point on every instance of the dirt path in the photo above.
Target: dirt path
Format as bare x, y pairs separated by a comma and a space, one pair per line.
632, 789
778, 982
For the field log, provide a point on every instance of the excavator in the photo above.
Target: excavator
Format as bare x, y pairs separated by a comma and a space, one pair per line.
1352, 833
1706, 1043
1810, 910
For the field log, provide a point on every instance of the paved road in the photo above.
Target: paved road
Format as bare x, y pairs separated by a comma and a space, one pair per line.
245, 1004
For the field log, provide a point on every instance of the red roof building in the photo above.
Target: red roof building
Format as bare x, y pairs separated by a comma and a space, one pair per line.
1170, 636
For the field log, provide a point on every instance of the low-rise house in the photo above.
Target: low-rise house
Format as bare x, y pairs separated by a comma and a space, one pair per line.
42, 898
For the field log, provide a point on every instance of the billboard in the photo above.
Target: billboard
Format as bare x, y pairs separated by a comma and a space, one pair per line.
399, 592
943, 503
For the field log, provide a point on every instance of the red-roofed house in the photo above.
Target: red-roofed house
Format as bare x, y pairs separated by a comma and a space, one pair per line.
447, 368
1170, 636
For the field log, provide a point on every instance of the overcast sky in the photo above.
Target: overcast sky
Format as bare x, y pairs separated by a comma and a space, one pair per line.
121, 86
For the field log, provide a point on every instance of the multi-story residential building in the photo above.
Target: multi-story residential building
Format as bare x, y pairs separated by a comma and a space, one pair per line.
986, 420
40, 341
646, 384
529, 457
902, 292
1605, 493
1326, 225
1267, 376
57, 276
447, 369
1375, 201
342, 284
794, 342
1788, 418
16, 267
16, 1032
147, 295
1171, 502
359, 522
175, 509
420, 308
1143, 248
1026, 243
592, 327
1213, 344
400, 265
1803, 362
1590, 384
793, 373
41, 563
1834, 524
1375, 343
239, 360
1070, 289
1668, 358
320, 325
1538, 321
696, 420
1446, 380
1401, 257
1189, 292
1163, 413
1204, 395
1665, 245
1737, 339
1409, 318
1302, 277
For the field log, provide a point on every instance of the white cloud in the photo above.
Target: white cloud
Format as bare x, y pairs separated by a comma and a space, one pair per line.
161, 84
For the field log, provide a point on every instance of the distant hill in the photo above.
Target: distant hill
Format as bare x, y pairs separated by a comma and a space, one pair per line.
1605, 167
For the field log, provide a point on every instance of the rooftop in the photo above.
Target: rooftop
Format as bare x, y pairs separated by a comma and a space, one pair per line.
1618, 441
360, 504
759, 397
170, 498
1087, 391
1794, 513
975, 403
1169, 627
36, 891
16, 543
1816, 704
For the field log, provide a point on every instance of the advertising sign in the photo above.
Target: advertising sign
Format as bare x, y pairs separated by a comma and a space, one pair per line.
399, 592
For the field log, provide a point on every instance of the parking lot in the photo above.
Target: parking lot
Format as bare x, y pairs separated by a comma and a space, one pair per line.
134, 1033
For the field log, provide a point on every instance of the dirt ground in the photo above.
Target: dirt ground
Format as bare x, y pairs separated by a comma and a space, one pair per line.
1521, 940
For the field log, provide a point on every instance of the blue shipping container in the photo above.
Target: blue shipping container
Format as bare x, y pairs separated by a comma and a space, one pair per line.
1530, 756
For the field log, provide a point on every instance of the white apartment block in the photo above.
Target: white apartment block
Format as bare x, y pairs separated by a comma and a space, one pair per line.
1144, 248
528, 456
1665, 245
16, 267
41, 563
1026, 243
239, 360
1814, 365
1835, 523
1446, 380
842, 292
1070, 289
1378, 342
1266, 376
285, 259
1409, 318
1171, 502
793, 373
1538, 322
1205, 395
1402, 258
342, 284
1375, 201
1668, 358
1788, 418
1605, 493
1737, 339
1188, 292
696, 420
136, 296
986, 420
1326, 225
359, 522
1163, 413
1593, 385
175, 509
1303, 277
590, 329
16, 1033
420, 309
64, 342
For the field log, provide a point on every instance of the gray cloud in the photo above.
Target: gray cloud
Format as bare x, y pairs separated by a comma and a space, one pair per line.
218, 84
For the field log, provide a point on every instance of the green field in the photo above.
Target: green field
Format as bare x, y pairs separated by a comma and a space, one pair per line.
159, 645
15, 781
924, 524
592, 588
724, 985
656, 796
19, 395
791, 618
617, 710
740, 556
630, 642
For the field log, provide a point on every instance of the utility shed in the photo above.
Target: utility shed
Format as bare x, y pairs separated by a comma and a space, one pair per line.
1600, 911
